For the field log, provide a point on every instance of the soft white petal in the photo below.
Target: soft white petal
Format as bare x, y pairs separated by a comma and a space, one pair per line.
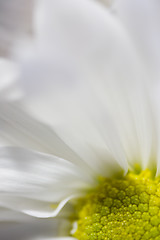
35, 183
9, 73
106, 3
101, 105
64, 238
56, 107
141, 19
55, 29
7, 215
57, 238
35, 229
20, 129
17, 225
15, 23
156, 113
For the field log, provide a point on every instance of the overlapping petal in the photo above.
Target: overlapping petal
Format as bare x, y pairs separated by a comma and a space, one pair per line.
37, 184
99, 106
87, 81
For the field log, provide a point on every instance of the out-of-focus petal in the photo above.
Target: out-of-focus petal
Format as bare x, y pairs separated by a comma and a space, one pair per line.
22, 226
18, 128
31, 230
141, 19
106, 3
34, 183
15, 23
63, 238
98, 105
9, 88
57, 238
7, 215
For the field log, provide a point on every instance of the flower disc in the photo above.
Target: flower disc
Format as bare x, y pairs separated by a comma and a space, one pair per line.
121, 208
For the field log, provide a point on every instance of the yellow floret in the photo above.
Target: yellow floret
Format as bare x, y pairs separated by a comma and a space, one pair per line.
121, 208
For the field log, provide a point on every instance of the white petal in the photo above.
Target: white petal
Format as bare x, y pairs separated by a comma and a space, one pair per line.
34, 183
20, 129
100, 108
63, 238
106, 3
35, 229
141, 19
7, 215
54, 26
15, 26
155, 163
9, 73
20, 225
57, 238
59, 108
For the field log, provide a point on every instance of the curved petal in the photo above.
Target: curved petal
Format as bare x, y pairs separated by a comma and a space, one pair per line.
34, 183
17, 224
86, 40
20, 129
100, 102
7, 215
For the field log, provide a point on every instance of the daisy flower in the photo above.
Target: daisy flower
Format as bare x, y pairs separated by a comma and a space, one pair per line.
79, 155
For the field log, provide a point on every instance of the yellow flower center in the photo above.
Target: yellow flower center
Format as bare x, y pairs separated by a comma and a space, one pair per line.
125, 208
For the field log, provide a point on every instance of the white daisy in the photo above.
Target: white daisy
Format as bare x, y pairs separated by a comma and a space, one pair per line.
89, 77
